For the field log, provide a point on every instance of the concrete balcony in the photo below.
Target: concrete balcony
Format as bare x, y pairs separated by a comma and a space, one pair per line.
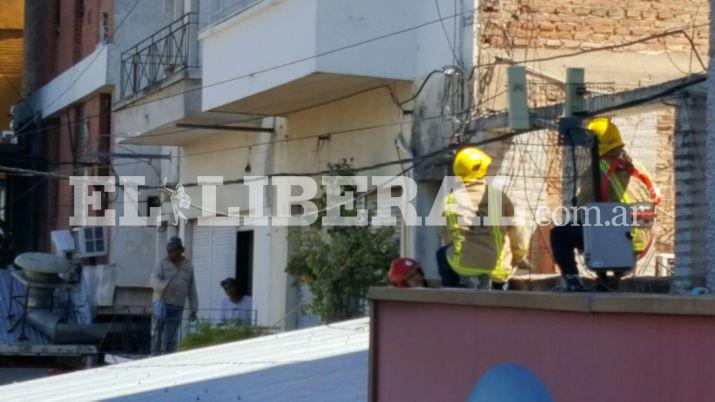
88, 77
160, 89
290, 55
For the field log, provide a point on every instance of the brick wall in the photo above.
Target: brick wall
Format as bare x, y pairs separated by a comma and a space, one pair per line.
80, 24
93, 24
569, 24
69, 34
664, 177
40, 44
11, 68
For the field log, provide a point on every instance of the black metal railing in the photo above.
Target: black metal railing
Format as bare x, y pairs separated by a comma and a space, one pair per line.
159, 57
132, 327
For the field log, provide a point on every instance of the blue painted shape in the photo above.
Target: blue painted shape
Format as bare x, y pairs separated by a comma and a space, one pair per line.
509, 383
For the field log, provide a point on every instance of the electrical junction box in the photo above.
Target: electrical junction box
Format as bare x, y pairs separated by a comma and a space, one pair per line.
607, 238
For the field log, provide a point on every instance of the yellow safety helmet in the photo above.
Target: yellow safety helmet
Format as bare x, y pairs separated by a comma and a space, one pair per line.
471, 164
609, 137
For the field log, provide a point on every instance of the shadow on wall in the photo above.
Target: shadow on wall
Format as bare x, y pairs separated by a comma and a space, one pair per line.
339, 378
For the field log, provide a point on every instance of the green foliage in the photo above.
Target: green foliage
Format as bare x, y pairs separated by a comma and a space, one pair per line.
339, 264
208, 335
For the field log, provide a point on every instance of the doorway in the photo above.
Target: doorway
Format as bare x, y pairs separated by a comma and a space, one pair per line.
244, 262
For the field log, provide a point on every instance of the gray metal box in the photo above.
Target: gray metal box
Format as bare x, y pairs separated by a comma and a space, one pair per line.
607, 241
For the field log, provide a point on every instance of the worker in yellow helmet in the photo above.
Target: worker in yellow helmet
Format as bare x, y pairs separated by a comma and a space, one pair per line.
486, 249
623, 180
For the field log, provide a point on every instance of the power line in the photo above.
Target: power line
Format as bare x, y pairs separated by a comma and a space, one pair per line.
471, 75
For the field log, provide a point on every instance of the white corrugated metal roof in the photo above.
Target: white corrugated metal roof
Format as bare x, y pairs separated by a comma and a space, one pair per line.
326, 363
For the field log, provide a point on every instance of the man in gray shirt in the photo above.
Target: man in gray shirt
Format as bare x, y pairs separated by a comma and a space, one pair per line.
173, 282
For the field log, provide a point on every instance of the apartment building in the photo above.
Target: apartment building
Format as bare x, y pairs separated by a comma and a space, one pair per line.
261, 88
72, 50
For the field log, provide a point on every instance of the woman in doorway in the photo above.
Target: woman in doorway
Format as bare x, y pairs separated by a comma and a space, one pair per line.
236, 307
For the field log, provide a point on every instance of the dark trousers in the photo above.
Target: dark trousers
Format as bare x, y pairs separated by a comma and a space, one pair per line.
166, 330
450, 279
564, 241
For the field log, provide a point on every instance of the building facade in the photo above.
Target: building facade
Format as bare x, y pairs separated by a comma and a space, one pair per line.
285, 87
72, 51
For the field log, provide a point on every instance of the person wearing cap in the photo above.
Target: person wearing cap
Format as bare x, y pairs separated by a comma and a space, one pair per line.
173, 282
407, 273
490, 248
236, 307
623, 180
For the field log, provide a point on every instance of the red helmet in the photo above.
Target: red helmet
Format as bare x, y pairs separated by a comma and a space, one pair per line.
400, 269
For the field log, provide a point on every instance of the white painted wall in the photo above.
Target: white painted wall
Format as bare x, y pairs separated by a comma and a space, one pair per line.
227, 153
133, 250
396, 39
85, 78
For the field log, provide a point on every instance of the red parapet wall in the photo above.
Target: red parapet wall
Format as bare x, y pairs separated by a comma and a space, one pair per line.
435, 345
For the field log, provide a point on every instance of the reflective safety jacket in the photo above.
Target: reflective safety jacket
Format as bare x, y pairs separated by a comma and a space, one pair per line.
486, 246
627, 181
623, 182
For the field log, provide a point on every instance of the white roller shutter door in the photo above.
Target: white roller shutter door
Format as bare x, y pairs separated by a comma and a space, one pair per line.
214, 258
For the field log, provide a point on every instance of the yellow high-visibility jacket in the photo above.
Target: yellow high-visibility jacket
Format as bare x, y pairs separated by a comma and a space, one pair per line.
488, 247
625, 180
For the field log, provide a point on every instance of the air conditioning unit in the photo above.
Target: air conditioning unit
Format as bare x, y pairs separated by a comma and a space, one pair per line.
92, 241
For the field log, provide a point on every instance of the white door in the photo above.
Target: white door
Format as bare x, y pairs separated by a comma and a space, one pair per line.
214, 258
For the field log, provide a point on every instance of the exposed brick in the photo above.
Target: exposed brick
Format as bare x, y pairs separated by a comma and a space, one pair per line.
601, 21
603, 29
582, 28
571, 44
581, 36
521, 42
616, 13
590, 45
639, 31
553, 43
633, 13
648, 14
581, 11
600, 37
546, 27
665, 15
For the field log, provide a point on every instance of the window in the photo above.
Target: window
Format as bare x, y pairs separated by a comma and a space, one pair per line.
104, 28
92, 241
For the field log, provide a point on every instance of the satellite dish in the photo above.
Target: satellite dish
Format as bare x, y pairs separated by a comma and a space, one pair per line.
42, 263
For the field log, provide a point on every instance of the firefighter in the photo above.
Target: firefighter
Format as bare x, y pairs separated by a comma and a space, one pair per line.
407, 273
623, 180
491, 246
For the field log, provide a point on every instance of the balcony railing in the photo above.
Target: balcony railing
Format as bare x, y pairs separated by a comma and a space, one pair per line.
213, 11
159, 57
